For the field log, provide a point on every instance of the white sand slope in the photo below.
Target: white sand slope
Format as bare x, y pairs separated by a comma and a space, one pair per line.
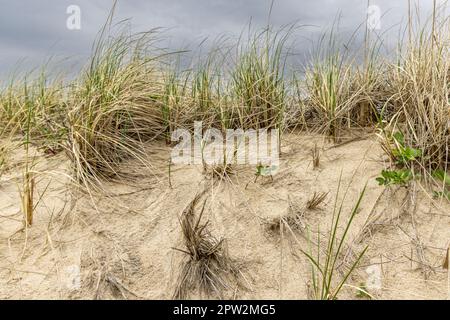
122, 246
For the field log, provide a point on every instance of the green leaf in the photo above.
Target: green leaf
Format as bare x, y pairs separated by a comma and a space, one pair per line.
442, 175
400, 138
397, 177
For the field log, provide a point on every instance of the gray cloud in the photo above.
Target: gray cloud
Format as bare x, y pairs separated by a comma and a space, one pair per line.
33, 31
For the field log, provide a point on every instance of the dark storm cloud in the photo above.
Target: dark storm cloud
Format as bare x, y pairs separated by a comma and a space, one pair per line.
33, 31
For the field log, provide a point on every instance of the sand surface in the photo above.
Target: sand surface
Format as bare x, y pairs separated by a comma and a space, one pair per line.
121, 246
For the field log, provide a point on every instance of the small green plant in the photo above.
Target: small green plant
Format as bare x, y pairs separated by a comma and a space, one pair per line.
442, 176
404, 154
325, 282
264, 171
395, 177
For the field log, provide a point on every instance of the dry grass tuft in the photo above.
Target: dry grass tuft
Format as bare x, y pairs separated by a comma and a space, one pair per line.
295, 220
316, 200
208, 267
446, 260
27, 196
107, 266
315, 152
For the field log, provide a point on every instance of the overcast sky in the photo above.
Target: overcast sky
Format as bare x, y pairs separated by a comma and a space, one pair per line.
31, 31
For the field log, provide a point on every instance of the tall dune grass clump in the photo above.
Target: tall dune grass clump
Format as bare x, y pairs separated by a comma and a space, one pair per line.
246, 89
339, 91
35, 106
206, 86
421, 95
258, 86
115, 107
175, 105
192, 94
